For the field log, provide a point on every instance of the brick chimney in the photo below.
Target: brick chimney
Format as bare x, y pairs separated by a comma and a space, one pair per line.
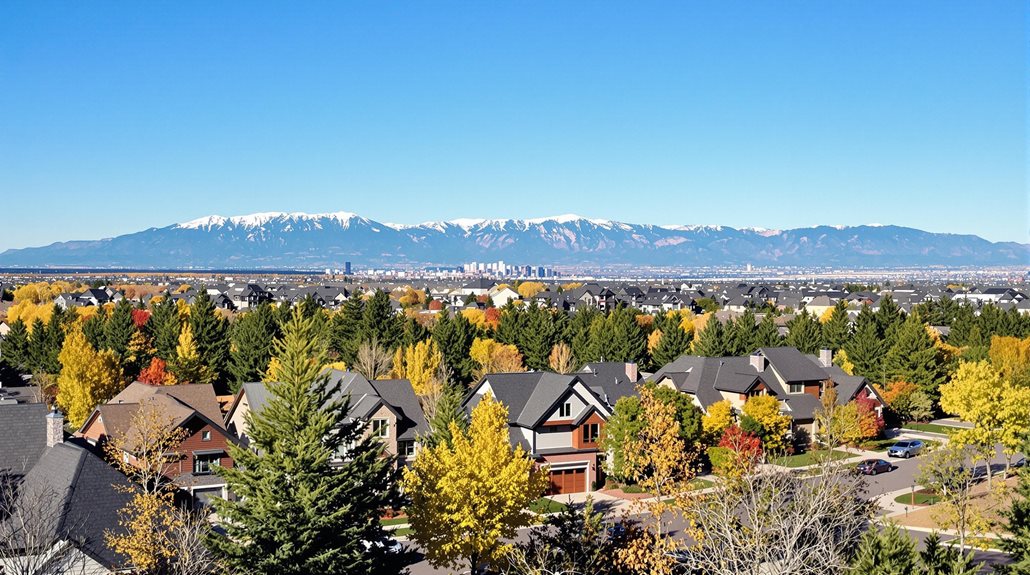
826, 357
54, 428
631, 372
758, 362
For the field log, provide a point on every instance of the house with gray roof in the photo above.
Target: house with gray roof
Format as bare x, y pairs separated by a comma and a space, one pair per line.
797, 380
557, 419
390, 406
62, 498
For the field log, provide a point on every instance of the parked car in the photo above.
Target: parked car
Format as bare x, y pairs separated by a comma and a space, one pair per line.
874, 466
906, 449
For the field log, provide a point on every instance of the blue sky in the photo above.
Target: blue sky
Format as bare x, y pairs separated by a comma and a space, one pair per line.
115, 117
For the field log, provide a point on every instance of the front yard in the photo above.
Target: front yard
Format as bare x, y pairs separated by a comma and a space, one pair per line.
810, 457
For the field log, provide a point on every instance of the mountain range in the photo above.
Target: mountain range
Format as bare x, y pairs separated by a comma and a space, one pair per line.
278, 240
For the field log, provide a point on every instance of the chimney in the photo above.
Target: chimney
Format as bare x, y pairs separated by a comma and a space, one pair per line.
758, 362
54, 428
631, 372
826, 357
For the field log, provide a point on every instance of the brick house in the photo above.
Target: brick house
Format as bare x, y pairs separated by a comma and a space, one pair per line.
192, 407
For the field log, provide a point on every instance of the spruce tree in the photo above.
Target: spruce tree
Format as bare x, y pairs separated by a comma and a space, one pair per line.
14, 347
889, 318
253, 333
211, 332
454, 338
865, 350
767, 334
885, 551
414, 332
379, 322
344, 328
740, 334
629, 342
119, 328
837, 329
937, 559
164, 321
538, 338
914, 358
1017, 523
804, 333
297, 511
37, 352
579, 333
512, 328
448, 410
674, 343
94, 328
712, 341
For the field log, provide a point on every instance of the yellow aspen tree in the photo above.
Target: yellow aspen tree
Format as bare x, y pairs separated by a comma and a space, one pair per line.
720, 416
653, 339
530, 289
561, 359
88, 377
187, 366
977, 393
399, 370
494, 357
469, 497
422, 362
765, 409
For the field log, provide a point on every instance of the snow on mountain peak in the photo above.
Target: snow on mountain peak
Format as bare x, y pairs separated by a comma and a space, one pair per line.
259, 219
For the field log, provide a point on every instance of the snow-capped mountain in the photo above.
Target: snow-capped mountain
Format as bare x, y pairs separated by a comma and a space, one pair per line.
310, 241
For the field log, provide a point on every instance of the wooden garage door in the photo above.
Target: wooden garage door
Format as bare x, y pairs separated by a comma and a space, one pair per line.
568, 481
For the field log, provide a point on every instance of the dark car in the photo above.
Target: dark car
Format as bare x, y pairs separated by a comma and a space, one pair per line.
905, 449
874, 467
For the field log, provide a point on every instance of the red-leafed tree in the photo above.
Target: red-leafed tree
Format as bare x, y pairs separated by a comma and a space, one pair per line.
140, 317
870, 421
435, 305
492, 317
737, 454
156, 373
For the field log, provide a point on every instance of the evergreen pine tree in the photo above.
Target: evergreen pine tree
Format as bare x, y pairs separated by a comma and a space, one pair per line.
379, 322
414, 332
767, 334
118, 328
14, 347
888, 320
94, 327
448, 410
253, 333
837, 329
513, 325
937, 559
914, 358
211, 332
454, 339
344, 328
1017, 523
712, 341
804, 333
865, 350
740, 334
885, 551
164, 321
538, 338
37, 352
674, 343
297, 510
579, 334
628, 341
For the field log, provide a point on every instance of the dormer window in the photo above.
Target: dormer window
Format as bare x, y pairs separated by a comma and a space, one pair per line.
565, 410
797, 387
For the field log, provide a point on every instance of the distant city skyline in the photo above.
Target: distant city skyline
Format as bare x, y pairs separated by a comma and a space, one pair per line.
120, 117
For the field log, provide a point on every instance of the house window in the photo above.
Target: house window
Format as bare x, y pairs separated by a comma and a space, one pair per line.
591, 432
203, 464
797, 388
565, 410
408, 448
205, 436
380, 428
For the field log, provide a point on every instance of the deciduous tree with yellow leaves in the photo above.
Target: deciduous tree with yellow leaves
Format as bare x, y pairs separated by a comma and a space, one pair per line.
765, 409
88, 377
420, 364
530, 289
469, 496
720, 416
494, 357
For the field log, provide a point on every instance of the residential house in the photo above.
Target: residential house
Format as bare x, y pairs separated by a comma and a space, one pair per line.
500, 297
191, 407
557, 419
74, 497
798, 381
389, 405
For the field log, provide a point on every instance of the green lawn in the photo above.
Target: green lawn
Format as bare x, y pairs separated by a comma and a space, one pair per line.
808, 458
922, 498
701, 484
395, 521
402, 532
930, 428
545, 505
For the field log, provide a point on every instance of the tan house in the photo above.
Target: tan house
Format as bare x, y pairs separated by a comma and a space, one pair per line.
389, 405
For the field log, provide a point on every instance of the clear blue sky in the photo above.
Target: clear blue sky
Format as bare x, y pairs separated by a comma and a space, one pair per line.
115, 117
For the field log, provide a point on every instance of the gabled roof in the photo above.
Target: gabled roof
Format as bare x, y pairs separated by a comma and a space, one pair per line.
530, 396
23, 436
792, 365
